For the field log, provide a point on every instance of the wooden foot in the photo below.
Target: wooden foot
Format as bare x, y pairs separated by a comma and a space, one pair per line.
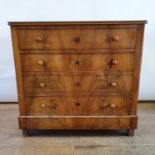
130, 132
25, 133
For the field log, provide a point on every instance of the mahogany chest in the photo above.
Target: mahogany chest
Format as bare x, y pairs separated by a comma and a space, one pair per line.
78, 75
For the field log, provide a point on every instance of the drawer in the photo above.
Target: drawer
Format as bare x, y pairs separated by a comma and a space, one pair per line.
77, 38
77, 105
52, 84
78, 62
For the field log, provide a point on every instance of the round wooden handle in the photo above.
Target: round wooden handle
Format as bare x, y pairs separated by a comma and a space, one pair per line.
114, 62
113, 84
42, 85
38, 39
43, 106
112, 105
115, 38
40, 62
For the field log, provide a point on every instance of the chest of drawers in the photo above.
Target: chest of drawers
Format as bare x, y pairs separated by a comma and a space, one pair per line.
78, 75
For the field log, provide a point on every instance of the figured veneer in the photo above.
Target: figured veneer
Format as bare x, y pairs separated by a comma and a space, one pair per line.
46, 85
78, 105
78, 62
77, 38
78, 75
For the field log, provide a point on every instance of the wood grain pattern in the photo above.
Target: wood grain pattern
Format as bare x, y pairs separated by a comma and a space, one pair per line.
78, 75
79, 51
74, 122
78, 62
18, 67
46, 85
138, 59
78, 105
77, 38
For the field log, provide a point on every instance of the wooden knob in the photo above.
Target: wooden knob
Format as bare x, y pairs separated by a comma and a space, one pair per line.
42, 106
77, 104
76, 39
42, 85
115, 38
40, 62
113, 84
38, 39
112, 105
114, 62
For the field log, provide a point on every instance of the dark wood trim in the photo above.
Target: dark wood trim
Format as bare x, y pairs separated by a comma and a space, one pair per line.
148, 101
77, 22
8, 102
140, 101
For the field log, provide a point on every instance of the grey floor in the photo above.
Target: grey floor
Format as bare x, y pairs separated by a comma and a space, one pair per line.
77, 143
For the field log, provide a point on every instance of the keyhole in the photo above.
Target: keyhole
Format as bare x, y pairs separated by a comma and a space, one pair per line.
77, 104
54, 106
76, 39
77, 83
77, 62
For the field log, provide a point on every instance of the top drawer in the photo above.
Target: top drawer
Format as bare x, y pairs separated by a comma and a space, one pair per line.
77, 38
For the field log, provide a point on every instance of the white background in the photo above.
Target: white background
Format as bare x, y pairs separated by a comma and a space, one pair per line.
61, 10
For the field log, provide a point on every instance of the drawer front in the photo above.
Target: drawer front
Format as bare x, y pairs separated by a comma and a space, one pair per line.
77, 38
77, 106
78, 62
51, 84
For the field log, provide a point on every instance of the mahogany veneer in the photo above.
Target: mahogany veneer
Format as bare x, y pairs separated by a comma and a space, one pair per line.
78, 75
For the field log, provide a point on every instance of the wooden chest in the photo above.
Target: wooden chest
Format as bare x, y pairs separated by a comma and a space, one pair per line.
78, 75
